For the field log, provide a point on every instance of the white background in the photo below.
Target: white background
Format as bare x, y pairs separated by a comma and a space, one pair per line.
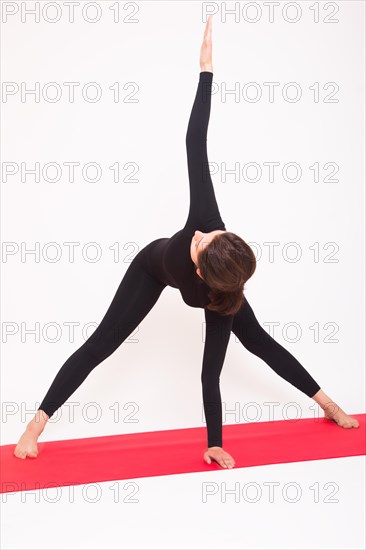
158, 369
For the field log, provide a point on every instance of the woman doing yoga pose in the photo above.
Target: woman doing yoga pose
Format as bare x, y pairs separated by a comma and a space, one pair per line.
209, 265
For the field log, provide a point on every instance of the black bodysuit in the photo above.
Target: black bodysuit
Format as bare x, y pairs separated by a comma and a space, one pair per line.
167, 262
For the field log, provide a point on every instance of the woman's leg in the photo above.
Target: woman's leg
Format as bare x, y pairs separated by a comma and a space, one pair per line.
134, 298
256, 340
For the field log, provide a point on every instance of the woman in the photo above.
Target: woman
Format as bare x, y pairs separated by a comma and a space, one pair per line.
209, 265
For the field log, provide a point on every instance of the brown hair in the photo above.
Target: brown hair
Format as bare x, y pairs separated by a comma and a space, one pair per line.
226, 263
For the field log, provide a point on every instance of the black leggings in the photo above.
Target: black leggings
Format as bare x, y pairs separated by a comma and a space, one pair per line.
137, 293
134, 298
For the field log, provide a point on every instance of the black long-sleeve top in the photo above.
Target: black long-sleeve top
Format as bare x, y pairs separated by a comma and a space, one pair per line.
171, 261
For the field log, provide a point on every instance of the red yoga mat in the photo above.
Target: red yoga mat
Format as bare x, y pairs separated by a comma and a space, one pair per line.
166, 452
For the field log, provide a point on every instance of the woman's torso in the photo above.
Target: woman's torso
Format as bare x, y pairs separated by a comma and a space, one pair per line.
169, 260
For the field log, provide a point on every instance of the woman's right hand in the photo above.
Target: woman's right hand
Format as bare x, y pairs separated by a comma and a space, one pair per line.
206, 48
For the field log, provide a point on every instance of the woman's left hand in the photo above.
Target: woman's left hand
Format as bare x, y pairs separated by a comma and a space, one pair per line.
220, 456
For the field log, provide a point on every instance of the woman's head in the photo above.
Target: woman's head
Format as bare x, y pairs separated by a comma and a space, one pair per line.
225, 262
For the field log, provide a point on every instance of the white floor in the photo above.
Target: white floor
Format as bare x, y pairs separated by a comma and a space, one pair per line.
304, 505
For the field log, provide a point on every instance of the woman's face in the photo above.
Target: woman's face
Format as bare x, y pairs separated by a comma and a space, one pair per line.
200, 240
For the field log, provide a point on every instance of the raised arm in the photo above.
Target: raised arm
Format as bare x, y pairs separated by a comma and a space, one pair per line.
203, 210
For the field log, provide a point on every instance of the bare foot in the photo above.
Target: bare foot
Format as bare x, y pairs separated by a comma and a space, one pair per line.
343, 420
27, 445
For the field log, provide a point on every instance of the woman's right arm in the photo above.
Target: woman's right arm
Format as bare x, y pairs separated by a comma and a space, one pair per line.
203, 211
